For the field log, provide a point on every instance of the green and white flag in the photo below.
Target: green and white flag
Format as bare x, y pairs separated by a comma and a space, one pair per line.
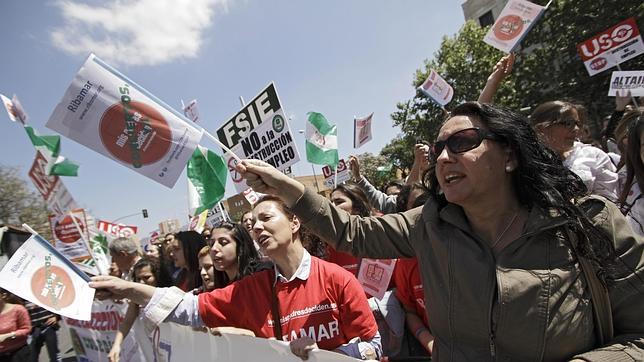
49, 146
321, 141
207, 173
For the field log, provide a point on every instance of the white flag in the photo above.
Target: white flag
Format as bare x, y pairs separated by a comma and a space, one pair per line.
109, 113
40, 274
190, 110
513, 24
362, 131
436, 88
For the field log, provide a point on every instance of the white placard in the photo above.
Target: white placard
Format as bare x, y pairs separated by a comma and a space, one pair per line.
259, 130
344, 174
623, 82
362, 131
109, 113
40, 274
513, 24
374, 275
436, 88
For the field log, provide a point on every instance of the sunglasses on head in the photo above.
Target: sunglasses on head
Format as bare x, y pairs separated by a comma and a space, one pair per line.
463, 141
566, 122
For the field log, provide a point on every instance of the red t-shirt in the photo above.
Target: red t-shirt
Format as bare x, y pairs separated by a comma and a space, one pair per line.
330, 306
409, 287
345, 260
15, 320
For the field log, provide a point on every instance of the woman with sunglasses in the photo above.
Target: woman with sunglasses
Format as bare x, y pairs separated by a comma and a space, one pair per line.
500, 246
559, 125
316, 303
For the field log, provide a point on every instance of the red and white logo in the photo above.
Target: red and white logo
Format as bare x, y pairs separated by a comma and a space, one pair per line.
608, 39
66, 231
508, 27
52, 286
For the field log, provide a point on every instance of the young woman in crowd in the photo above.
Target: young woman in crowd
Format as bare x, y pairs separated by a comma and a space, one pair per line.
15, 326
206, 270
148, 271
630, 140
267, 303
183, 251
558, 125
517, 263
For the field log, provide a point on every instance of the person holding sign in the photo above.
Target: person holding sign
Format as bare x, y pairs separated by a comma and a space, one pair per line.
517, 261
304, 300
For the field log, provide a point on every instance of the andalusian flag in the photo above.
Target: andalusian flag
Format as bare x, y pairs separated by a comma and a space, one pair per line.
321, 141
49, 146
207, 173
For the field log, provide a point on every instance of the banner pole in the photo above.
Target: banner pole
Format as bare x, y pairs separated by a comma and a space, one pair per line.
87, 244
226, 149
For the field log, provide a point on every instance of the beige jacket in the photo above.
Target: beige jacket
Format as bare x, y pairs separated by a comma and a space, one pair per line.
529, 303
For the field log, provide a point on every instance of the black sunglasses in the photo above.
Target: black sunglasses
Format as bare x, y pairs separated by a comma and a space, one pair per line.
463, 141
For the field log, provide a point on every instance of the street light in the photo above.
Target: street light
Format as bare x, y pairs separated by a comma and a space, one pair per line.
315, 177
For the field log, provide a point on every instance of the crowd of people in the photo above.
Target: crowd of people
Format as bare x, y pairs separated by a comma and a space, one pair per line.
515, 238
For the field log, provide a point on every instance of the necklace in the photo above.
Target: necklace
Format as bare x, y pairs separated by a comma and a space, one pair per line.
506, 229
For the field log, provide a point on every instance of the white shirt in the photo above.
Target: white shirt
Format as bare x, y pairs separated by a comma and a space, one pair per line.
595, 169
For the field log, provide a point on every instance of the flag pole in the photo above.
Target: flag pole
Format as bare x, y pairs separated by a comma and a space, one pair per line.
335, 178
87, 244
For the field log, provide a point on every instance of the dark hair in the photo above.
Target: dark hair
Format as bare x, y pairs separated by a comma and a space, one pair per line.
247, 256
191, 243
394, 183
161, 275
540, 178
555, 111
358, 198
631, 156
403, 197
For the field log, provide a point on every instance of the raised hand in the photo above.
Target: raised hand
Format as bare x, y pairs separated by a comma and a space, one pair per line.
354, 166
264, 178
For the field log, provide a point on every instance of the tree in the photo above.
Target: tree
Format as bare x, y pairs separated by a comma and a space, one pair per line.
547, 68
20, 205
369, 165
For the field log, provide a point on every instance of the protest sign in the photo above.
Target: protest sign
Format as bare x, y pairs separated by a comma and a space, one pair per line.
175, 343
40, 274
513, 24
198, 222
374, 275
344, 174
116, 230
436, 88
611, 47
217, 215
93, 339
112, 115
624, 82
14, 109
190, 110
259, 130
70, 236
362, 131
52, 189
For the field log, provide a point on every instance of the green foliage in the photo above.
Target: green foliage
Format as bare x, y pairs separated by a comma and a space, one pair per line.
369, 164
547, 68
20, 205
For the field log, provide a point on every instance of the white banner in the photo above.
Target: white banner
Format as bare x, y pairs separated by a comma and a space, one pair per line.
93, 339
40, 274
436, 88
109, 113
177, 343
623, 82
190, 110
116, 230
259, 130
362, 131
513, 24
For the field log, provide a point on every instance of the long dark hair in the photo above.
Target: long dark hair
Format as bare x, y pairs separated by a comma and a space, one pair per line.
631, 156
247, 256
357, 196
403, 197
161, 275
540, 179
191, 243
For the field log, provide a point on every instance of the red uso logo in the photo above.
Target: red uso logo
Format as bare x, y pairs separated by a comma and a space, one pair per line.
608, 39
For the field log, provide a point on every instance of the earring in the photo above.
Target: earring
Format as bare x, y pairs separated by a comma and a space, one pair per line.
508, 168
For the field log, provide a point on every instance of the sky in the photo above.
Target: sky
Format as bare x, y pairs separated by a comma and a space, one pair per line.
340, 58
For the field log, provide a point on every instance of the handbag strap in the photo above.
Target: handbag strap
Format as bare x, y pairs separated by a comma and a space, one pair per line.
600, 299
275, 307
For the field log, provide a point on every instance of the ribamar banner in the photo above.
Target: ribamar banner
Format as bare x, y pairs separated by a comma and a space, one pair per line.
109, 113
611, 47
40, 274
260, 131
70, 231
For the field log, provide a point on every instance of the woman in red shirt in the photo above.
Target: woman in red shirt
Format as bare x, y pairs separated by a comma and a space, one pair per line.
304, 300
15, 326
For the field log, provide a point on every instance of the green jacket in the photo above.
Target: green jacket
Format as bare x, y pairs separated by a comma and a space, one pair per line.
528, 303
